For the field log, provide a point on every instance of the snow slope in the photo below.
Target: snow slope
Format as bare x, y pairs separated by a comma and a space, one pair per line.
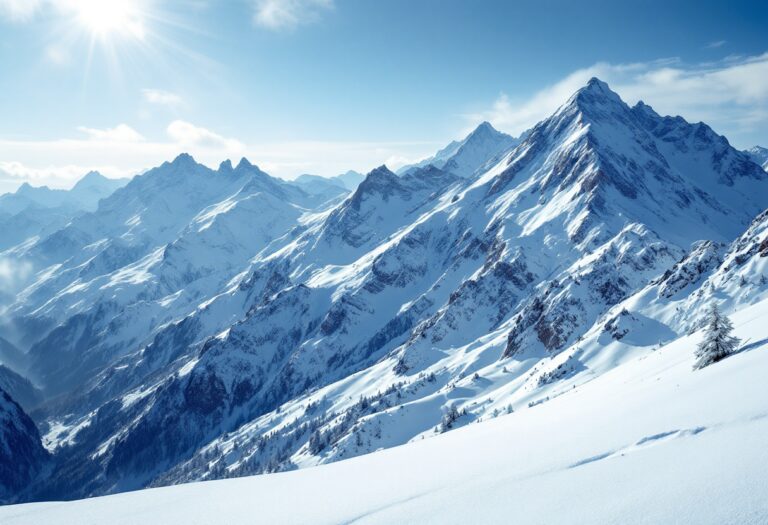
651, 441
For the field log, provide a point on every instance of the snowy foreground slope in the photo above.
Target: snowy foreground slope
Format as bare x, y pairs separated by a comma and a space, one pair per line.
651, 441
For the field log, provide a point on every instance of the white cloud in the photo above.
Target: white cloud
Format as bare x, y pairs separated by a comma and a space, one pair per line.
716, 44
162, 97
120, 133
187, 134
19, 10
58, 54
287, 14
730, 95
12, 274
17, 170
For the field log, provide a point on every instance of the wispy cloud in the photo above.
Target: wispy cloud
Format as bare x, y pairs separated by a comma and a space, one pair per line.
12, 274
18, 170
162, 97
19, 10
288, 14
58, 54
186, 134
716, 44
120, 133
730, 95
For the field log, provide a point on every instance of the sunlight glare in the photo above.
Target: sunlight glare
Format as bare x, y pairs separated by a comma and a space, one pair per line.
104, 18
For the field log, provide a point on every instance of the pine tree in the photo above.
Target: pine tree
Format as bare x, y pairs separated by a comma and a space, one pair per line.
718, 342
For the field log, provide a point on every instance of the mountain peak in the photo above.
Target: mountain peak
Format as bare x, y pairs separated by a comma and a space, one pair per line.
596, 83
244, 164
91, 176
595, 93
759, 155
381, 170
24, 188
183, 160
485, 127
225, 166
92, 179
483, 131
251, 169
465, 157
380, 175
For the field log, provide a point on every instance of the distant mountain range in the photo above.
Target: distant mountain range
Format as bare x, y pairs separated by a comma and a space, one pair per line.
38, 211
202, 324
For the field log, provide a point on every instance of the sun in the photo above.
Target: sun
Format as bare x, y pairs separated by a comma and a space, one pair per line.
107, 18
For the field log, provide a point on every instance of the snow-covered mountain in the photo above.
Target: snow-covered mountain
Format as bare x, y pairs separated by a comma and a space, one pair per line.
38, 211
152, 252
328, 188
10, 355
760, 155
467, 157
204, 324
348, 180
84, 195
21, 389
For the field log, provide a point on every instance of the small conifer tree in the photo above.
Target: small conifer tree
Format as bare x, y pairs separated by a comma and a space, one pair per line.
718, 343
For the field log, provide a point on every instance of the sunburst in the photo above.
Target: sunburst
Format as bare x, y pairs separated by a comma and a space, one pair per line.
106, 19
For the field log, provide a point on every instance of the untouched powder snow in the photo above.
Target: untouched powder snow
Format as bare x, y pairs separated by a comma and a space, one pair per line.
651, 441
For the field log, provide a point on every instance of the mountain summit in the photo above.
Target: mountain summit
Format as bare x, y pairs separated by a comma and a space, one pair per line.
760, 155
468, 156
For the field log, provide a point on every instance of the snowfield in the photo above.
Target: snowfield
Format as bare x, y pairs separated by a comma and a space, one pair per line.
650, 441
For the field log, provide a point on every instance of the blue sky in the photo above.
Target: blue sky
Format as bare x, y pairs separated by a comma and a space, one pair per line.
322, 86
